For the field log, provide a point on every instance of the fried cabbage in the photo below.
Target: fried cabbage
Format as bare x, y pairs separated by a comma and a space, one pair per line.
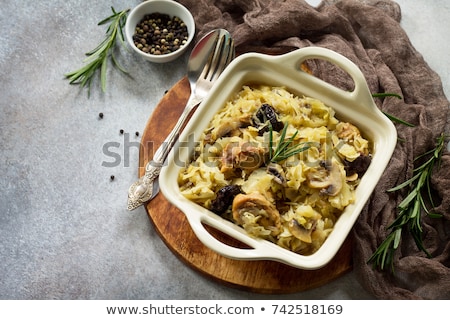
293, 201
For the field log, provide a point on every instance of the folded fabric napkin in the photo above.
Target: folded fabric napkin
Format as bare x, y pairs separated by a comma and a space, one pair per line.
368, 32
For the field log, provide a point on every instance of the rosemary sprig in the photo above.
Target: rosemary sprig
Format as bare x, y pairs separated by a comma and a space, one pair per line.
390, 116
285, 148
409, 217
386, 94
97, 58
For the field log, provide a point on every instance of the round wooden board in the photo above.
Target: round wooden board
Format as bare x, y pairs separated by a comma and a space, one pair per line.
172, 226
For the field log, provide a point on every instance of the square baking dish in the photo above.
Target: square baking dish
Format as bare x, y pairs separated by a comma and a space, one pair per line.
356, 106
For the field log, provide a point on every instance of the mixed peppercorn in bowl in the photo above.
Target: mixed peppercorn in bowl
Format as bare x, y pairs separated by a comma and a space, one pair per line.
160, 30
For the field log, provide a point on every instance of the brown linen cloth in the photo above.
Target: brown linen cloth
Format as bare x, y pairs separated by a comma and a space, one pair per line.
368, 33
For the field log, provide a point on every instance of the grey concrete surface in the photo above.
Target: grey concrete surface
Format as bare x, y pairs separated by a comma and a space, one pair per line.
65, 232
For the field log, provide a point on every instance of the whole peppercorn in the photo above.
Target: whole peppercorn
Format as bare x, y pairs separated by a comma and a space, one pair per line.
159, 34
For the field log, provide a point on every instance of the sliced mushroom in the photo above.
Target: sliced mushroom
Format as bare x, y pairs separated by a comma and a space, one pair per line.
300, 232
224, 198
241, 155
277, 171
259, 206
224, 129
228, 127
326, 177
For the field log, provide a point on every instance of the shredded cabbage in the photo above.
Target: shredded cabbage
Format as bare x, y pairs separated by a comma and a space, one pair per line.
305, 194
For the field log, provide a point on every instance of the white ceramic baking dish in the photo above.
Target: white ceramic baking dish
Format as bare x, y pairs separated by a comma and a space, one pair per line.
356, 107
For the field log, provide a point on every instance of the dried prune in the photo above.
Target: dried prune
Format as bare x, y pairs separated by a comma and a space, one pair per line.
266, 115
359, 165
224, 198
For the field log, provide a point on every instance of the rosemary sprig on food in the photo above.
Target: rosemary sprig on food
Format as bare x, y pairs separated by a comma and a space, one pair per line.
390, 116
409, 217
284, 148
97, 58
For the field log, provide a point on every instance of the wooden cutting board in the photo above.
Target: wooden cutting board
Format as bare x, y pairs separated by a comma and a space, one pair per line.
174, 229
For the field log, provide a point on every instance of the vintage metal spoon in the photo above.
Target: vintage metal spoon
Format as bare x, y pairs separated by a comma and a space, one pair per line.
208, 59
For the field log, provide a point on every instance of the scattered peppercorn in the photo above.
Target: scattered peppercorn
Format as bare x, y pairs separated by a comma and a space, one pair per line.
121, 131
100, 115
112, 177
137, 133
158, 34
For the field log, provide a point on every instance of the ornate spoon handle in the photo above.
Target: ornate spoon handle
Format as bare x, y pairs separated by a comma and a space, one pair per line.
145, 188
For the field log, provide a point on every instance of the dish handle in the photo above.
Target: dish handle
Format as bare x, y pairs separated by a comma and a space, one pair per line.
361, 93
258, 248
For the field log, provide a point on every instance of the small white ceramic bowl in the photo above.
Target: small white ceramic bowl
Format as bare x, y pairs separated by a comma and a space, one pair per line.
355, 106
169, 7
